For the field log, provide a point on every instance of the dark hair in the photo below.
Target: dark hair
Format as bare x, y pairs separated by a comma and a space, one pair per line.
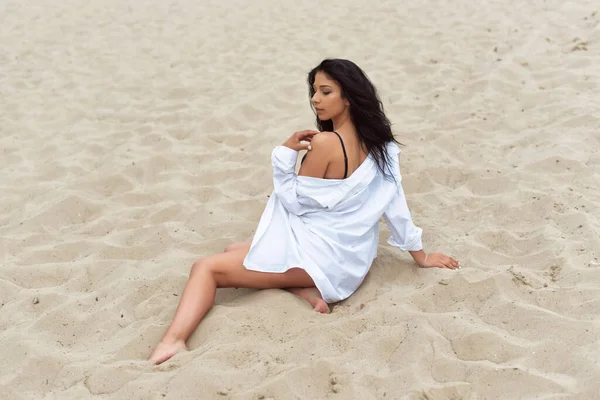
366, 109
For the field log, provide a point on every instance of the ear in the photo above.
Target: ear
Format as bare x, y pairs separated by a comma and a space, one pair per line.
347, 103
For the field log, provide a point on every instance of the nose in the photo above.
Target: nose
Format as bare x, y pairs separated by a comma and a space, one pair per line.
315, 99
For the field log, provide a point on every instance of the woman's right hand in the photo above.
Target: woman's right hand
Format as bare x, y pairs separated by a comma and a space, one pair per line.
300, 140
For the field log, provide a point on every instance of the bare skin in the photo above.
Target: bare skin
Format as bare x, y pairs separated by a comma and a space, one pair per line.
222, 271
312, 295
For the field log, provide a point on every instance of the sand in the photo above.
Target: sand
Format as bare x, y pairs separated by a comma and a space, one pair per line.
135, 137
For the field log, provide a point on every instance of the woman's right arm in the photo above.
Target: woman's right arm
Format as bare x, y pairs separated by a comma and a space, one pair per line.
285, 179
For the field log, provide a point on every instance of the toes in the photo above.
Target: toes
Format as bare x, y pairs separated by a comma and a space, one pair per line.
322, 307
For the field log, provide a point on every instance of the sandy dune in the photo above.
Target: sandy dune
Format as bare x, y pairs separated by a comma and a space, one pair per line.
135, 137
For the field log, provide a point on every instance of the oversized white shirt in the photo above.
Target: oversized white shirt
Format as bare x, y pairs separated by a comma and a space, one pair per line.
330, 227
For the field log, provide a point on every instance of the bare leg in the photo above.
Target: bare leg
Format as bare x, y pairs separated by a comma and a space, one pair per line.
220, 270
313, 296
238, 246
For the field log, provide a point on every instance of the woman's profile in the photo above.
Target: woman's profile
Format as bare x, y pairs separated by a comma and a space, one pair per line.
319, 232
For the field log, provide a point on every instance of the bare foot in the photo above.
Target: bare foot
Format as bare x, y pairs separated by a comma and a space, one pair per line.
313, 296
164, 351
320, 306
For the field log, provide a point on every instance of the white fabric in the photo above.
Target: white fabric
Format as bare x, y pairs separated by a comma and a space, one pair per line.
330, 227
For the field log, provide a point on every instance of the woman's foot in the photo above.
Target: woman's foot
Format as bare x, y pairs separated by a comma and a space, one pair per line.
313, 296
166, 350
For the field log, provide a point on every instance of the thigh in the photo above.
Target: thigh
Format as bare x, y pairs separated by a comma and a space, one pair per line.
238, 246
228, 271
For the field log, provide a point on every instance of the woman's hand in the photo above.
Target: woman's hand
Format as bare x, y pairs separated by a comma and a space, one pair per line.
300, 140
439, 260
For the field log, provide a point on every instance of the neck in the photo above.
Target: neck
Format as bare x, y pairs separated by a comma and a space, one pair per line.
341, 120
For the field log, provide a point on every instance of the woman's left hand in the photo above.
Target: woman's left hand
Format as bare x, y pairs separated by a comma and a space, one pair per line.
439, 260
300, 140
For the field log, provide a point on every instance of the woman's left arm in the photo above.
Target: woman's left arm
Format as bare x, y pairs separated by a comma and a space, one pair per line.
407, 236
434, 260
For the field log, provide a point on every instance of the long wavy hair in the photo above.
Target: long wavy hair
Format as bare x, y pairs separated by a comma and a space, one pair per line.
366, 109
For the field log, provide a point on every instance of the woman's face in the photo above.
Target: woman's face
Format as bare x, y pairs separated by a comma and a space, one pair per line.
327, 100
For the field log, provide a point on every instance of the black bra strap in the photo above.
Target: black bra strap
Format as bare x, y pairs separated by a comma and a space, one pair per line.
345, 156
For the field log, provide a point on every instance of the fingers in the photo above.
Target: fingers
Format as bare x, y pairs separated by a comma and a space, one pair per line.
305, 145
449, 262
440, 260
306, 134
452, 263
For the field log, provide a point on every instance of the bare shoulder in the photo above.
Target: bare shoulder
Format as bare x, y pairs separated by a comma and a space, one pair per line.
324, 140
319, 156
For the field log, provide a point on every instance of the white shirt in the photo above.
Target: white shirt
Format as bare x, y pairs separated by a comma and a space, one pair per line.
330, 227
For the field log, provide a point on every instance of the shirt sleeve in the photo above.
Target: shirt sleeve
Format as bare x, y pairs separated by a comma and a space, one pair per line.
285, 179
405, 234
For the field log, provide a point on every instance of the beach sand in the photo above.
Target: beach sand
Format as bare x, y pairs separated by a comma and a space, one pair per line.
135, 138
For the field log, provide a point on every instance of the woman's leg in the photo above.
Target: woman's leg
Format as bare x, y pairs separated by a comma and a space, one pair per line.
220, 270
312, 295
237, 246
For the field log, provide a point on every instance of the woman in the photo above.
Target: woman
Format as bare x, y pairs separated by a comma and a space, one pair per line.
319, 232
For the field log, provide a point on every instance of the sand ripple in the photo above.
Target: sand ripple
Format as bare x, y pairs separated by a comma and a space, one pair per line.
135, 137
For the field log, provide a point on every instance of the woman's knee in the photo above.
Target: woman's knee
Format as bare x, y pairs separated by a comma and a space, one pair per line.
231, 247
206, 268
200, 266
237, 246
